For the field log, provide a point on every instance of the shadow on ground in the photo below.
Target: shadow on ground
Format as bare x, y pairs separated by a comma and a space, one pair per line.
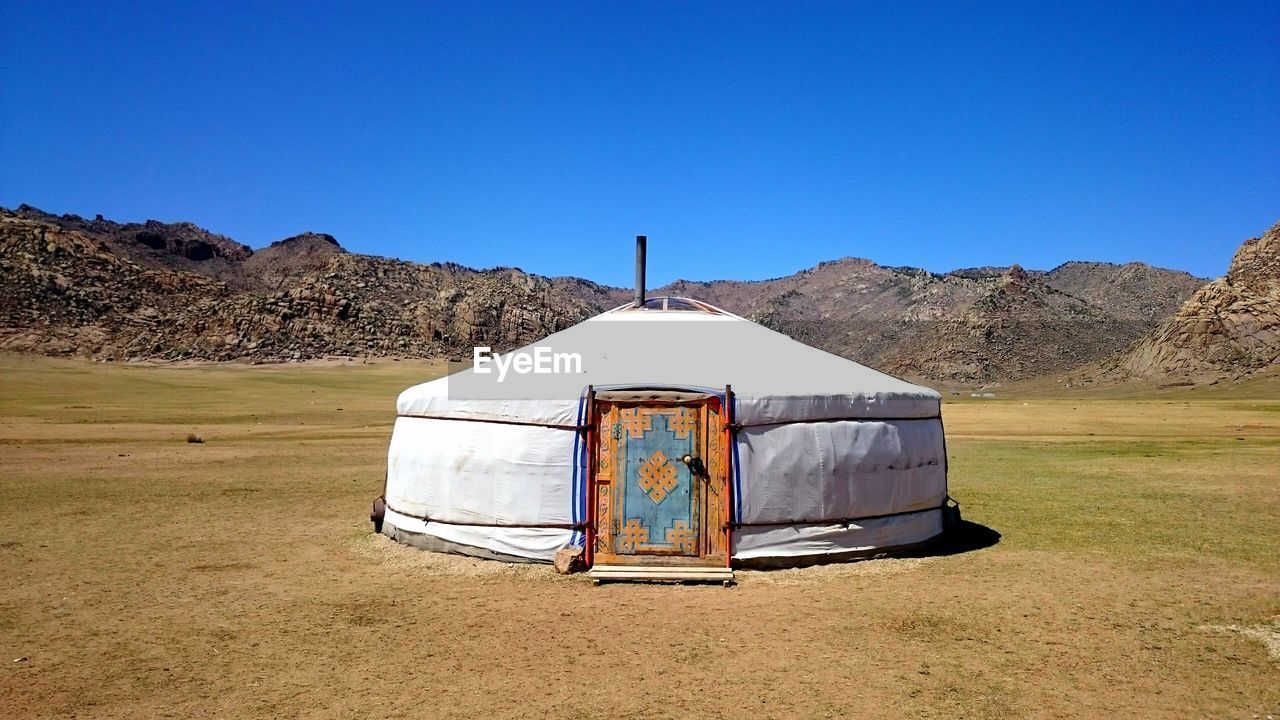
965, 537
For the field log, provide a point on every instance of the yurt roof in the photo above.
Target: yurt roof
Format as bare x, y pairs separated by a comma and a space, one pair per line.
679, 343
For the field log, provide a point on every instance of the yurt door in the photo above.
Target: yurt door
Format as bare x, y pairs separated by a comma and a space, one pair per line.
659, 483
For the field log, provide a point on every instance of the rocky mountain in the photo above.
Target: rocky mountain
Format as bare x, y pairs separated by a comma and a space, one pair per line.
176, 246
1229, 327
1132, 290
172, 291
973, 325
102, 289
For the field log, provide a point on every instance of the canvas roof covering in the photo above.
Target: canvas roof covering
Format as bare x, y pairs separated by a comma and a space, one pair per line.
774, 378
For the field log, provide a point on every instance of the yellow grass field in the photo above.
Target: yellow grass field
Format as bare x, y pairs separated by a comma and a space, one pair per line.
1136, 574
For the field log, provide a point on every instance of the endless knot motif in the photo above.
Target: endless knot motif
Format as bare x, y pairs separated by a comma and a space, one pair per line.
684, 421
682, 537
635, 422
632, 535
657, 477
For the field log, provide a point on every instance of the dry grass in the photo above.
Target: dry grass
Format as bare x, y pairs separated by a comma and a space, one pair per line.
148, 577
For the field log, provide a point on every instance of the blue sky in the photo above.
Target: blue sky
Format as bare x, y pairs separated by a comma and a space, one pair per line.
747, 140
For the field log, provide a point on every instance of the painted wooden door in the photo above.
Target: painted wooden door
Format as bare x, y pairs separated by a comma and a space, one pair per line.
659, 484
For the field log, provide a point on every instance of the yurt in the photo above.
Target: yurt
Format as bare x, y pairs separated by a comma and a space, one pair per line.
667, 438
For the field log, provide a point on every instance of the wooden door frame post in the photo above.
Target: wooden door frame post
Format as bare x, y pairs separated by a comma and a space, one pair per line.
728, 476
589, 536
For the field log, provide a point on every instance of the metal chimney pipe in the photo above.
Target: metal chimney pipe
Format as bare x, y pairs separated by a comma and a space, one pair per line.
641, 241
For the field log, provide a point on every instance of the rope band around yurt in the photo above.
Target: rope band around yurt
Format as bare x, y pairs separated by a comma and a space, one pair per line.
532, 526
840, 521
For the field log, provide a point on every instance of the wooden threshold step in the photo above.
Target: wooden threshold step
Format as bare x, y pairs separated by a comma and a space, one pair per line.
605, 573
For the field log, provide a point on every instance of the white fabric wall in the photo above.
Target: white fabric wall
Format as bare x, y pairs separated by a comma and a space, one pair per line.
536, 543
759, 409
809, 540
835, 470
464, 471
803, 473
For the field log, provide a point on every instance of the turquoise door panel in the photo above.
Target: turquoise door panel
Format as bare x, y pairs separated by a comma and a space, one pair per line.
659, 500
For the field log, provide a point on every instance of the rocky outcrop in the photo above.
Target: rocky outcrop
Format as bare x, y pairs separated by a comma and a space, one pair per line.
66, 292
975, 325
1229, 327
180, 245
1133, 290
1017, 327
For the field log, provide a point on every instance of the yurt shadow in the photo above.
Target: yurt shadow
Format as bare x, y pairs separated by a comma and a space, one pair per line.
966, 537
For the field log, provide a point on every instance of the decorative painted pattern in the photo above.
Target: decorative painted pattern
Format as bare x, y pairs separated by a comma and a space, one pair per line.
657, 477
647, 502
632, 536
683, 421
607, 445
635, 422
605, 475
683, 538
715, 499
604, 521
653, 490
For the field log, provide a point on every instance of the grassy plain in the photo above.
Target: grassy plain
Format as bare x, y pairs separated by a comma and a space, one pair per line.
1137, 571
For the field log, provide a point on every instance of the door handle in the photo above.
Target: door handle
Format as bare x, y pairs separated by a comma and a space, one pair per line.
696, 467
699, 470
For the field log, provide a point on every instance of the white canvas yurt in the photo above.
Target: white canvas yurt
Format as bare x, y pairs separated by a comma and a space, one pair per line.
667, 433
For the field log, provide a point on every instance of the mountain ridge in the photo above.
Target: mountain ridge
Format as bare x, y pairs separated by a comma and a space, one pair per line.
306, 296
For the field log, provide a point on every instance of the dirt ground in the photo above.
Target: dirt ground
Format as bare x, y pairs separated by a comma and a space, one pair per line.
1135, 571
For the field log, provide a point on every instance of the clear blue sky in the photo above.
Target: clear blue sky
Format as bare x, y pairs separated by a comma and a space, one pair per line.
747, 140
